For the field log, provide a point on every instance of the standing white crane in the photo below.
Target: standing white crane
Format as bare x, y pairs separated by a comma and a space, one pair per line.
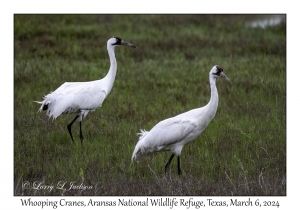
173, 133
82, 97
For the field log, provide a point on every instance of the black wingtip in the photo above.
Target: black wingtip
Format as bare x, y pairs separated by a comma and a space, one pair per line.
45, 107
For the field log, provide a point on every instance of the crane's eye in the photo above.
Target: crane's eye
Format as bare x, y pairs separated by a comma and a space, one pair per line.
219, 70
118, 41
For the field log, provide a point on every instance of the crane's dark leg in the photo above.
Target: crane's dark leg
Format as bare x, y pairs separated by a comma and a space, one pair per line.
168, 163
80, 135
178, 164
70, 126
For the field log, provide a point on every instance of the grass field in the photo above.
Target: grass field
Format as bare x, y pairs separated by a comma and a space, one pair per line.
241, 152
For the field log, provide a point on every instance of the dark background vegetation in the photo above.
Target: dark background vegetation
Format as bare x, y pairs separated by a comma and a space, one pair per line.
241, 152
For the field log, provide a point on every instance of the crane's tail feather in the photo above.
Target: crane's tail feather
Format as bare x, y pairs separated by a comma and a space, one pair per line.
142, 134
138, 150
43, 107
50, 107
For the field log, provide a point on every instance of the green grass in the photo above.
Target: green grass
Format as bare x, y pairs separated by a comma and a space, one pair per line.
241, 152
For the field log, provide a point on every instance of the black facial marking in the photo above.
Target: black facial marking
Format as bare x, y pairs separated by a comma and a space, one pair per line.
219, 70
118, 42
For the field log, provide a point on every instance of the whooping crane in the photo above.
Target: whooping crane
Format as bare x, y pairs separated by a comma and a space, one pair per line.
173, 133
82, 97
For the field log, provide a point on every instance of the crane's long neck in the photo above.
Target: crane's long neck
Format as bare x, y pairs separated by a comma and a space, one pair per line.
111, 75
214, 98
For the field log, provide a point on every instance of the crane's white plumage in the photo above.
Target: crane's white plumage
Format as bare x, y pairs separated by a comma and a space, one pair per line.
82, 97
173, 133
73, 97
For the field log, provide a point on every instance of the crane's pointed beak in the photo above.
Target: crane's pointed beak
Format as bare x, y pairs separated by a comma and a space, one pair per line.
225, 77
127, 44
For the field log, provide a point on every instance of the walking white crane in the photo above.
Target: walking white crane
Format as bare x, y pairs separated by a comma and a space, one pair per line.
82, 97
173, 133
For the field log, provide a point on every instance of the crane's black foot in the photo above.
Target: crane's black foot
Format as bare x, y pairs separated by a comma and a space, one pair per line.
166, 168
81, 137
179, 172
